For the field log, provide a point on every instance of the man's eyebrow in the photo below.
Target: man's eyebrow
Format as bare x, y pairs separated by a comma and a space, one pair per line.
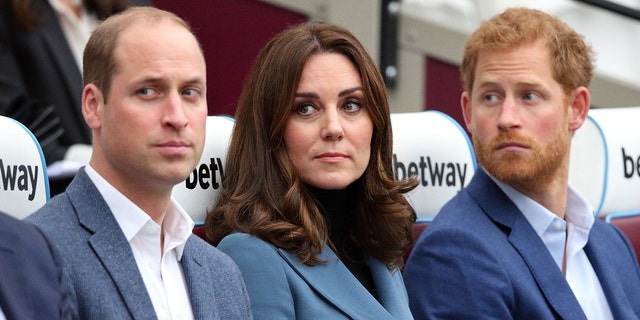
155, 79
195, 80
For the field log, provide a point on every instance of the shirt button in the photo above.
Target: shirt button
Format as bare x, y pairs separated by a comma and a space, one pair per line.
558, 225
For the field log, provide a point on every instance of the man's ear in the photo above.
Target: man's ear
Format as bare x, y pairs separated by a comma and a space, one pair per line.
465, 104
579, 103
92, 106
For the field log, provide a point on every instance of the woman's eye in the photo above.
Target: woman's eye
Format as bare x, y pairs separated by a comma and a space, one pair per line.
305, 109
352, 106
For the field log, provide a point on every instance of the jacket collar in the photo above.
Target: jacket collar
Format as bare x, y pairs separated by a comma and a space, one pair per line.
352, 298
600, 259
499, 208
109, 244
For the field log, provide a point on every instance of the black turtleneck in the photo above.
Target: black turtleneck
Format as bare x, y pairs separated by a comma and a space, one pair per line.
336, 207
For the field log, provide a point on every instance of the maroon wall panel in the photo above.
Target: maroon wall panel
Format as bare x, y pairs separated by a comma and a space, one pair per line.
231, 32
443, 88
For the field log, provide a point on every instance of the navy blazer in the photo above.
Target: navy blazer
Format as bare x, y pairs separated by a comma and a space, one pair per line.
32, 285
104, 275
280, 286
38, 70
481, 259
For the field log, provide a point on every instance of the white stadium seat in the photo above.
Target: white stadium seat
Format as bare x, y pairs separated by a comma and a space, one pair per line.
433, 146
199, 192
24, 185
605, 160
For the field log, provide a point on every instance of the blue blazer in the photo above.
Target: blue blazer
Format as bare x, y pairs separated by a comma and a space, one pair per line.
481, 259
103, 272
32, 284
282, 287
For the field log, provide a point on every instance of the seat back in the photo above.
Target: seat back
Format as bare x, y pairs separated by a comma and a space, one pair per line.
629, 224
198, 193
605, 160
24, 185
432, 146
417, 230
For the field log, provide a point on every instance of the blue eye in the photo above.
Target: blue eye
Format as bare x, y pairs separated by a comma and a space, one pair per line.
144, 91
305, 109
490, 98
191, 94
352, 106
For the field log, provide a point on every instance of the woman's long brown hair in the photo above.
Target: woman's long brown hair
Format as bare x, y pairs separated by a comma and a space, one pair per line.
262, 193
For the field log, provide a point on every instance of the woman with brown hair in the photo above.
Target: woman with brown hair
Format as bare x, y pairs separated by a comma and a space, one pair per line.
309, 208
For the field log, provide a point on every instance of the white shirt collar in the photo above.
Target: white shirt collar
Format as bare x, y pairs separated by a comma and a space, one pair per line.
578, 211
178, 225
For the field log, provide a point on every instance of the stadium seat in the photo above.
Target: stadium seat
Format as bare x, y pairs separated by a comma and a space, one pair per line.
434, 147
629, 224
605, 160
605, 167
198, 193
24, 185
418, 228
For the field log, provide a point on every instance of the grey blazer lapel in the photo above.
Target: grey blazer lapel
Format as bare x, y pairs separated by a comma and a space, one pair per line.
202, 304
333, 281
524, 239
110, 246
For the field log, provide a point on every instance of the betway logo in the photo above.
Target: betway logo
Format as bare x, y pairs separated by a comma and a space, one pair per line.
19, 177
432, 173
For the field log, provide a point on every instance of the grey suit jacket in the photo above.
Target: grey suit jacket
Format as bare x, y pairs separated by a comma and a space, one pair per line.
282, 287
103, 272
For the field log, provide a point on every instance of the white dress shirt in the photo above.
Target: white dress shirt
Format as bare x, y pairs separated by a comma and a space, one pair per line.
159, 266
570, 234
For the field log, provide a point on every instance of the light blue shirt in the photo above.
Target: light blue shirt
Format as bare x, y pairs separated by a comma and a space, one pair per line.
571, 235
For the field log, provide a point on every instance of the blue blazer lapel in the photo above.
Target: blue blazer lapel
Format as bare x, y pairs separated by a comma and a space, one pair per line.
110, 245
351, 297
390, 288
508, 217
598, 254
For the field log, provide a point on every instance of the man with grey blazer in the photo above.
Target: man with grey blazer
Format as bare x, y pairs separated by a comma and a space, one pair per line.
126, 246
